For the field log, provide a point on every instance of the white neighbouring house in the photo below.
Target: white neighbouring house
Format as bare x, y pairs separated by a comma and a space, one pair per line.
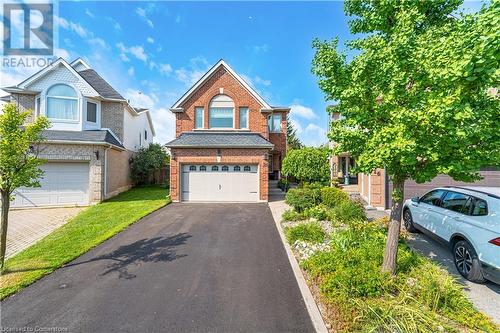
94, 133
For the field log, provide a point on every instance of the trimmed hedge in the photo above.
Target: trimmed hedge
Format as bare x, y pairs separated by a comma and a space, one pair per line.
302, 198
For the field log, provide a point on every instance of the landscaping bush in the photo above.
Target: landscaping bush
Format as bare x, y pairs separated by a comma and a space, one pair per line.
283, 184
318, 212
347, 211
291, 215
332, 196
307, 232
302, 198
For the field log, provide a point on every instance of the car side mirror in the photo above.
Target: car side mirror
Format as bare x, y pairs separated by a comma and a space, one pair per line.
415, 199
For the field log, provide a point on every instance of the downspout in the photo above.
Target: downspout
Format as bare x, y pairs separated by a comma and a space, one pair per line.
106, 171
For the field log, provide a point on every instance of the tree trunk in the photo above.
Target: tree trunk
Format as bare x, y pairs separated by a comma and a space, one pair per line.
391, 247
3, 226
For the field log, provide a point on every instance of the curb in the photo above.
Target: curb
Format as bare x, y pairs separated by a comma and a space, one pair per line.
312, 307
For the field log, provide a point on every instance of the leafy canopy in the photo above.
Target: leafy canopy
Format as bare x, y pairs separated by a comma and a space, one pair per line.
420, 95
146, 160
19, 165
307, 164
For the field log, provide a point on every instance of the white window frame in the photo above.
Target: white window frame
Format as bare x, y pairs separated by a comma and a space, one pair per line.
38, 105
248, 117
271, 116
202, 117
78, 104
96, 112
222, 128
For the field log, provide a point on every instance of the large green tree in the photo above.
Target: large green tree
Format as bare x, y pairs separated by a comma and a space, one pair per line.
147, 160
418, 90
19, 164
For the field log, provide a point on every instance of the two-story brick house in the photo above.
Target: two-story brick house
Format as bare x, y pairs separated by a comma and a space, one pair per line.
94, 133
228, 140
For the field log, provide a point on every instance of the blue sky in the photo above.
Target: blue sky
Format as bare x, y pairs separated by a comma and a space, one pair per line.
152, 52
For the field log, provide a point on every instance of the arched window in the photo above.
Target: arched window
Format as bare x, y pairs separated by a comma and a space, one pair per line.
192, 168
203, 168
237, 168
62, 102
246, 168
215, 168
221, 112
225, 168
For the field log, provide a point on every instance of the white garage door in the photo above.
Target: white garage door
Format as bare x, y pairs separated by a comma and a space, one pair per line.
62, 184
220, 183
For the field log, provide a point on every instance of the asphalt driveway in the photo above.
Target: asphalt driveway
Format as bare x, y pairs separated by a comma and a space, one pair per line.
184, 268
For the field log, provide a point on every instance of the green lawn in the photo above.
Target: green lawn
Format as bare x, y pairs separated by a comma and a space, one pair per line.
85, 231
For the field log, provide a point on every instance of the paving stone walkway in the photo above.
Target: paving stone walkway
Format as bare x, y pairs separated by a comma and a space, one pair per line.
27, 226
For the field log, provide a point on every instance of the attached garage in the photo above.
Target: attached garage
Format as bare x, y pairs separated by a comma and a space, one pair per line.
63, 183
219, 183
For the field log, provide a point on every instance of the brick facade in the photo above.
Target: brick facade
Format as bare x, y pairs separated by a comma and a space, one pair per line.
118, 172
112, 117
209, 156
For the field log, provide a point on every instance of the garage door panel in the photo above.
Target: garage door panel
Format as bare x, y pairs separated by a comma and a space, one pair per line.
61, 184
220, 185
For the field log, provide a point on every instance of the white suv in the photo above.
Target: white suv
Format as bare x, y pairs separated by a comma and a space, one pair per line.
466, 218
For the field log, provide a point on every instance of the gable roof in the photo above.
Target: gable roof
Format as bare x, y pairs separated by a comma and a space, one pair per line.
207, 75
219, 140
99, 84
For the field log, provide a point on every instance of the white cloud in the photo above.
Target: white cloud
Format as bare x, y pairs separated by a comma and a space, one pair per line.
98, 41
164, 123
259, 80
131, 71
72, 26
301, 111
191, 73
150, 40
165, 69
260, 48
124, 57
139, 99
89, 13
313, 135
136, 50
61, 53
142, 13
296, 125
115, 24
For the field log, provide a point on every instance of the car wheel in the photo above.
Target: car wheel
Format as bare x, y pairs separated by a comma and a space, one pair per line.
467, 262
408, 221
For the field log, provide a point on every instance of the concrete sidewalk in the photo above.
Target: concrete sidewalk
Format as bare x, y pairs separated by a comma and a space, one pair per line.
28, 226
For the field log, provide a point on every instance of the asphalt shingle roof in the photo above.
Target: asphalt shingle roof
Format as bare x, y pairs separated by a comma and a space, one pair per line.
99, 84
219, 140
97, 136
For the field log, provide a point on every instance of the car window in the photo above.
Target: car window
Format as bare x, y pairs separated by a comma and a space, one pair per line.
454, 201
468, 206
480, 208
433, 197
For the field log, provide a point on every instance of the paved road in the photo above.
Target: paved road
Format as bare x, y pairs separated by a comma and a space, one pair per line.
184, 268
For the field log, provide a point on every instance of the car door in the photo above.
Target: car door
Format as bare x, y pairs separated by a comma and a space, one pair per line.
428, 206
452, 217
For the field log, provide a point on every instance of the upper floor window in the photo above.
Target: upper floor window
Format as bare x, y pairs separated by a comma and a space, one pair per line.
243, 117
221, 112
198, 117
91, 112
274, 123
62, 102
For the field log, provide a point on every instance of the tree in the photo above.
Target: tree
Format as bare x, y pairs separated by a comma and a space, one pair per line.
19, 163
419, 93
292, 141
146, 160
307, 164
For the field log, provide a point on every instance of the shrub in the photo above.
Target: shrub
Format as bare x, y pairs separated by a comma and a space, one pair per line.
307, 164
332, 196
318, 212
307, 232
283, 184
291, 215
301, 198
347, 211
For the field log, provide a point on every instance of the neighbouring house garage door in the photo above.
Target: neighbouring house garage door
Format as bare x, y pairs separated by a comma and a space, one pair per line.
220, 182
62, 184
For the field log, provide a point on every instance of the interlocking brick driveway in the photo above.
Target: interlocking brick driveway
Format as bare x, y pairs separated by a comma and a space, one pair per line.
27, 226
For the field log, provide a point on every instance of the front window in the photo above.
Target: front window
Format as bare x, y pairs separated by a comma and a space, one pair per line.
62, 103
274, 123
91, 112
198, 117
433, 197
221, 112
243, 117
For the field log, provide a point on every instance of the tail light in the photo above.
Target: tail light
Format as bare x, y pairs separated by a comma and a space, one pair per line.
495, 241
